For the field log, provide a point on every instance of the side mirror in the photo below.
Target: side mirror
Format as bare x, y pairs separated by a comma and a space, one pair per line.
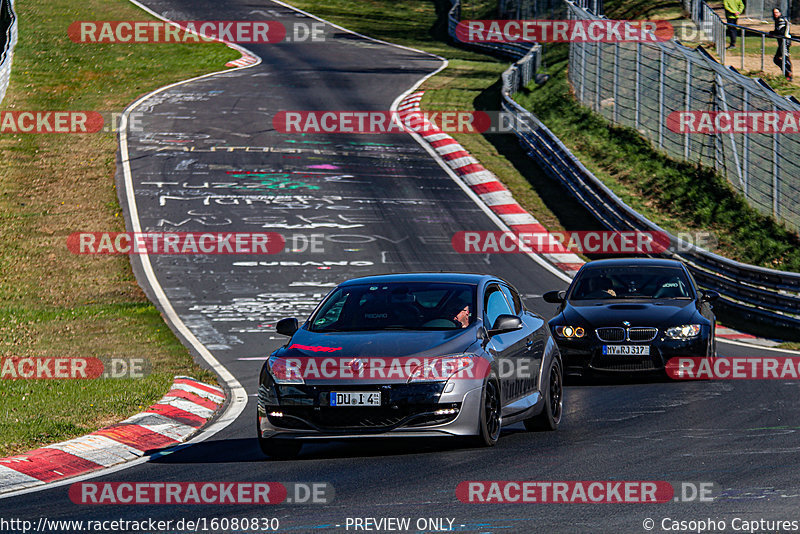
554, 297
708, 295
505, 323
287, 327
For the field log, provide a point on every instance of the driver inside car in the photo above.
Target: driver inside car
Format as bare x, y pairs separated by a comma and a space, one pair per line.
463, 317
457, 309
600, 287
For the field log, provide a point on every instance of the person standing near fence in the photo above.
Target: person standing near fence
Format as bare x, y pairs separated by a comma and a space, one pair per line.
781, 31
733, 8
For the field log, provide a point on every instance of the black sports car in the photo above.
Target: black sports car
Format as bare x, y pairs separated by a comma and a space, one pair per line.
442, 354
632, 315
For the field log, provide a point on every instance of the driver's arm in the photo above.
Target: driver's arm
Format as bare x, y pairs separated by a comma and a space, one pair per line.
463, 317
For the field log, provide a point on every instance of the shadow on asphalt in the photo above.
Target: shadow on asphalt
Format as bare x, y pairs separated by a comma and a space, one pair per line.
615, 380
246, 450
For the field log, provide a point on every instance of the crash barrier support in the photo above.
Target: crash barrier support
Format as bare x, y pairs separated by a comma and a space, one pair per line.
758, 293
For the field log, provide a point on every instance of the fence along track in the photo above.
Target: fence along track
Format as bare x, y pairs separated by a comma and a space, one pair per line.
760, 294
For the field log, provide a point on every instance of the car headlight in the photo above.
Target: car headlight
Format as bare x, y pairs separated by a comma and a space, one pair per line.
284, 371
570, 332
439, 368
686, 331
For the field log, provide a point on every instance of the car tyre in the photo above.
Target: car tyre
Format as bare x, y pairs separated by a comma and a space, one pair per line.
490, 419
713, 343
711, 353
550, 416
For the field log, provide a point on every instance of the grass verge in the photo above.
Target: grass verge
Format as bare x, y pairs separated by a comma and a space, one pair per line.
689, 34
470, 82
676, 195
679, 196
53, 303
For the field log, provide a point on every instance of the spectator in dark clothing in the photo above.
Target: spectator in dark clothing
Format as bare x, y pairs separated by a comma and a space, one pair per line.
781, 33
733, 8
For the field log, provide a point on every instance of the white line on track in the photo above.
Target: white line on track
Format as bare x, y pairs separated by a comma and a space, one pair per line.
475, 198
238, 401
470, 193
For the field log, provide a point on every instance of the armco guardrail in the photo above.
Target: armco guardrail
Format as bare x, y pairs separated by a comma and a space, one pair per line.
513, 50
8, 39
759, 293
641, 84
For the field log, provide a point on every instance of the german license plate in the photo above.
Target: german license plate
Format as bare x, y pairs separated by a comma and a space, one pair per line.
355, 398
626, 350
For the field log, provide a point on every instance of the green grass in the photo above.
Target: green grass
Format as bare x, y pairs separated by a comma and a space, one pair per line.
644, 9
678, 196
53, 303
416, 23
470, 82
673, 11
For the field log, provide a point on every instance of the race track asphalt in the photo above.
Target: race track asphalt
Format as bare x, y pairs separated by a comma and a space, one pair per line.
208, 158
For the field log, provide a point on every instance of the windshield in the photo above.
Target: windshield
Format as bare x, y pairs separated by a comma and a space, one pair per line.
397, 306
631, 283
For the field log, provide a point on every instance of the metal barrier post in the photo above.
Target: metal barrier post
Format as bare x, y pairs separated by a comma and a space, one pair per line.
583, 69
598, 60
616, 81
686, 136
764, 292
636, 85
775, 167
784, 49
661, 98
746, 149
723, 100
743, 49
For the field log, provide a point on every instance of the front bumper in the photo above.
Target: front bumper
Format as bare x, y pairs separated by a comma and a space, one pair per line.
304, 411
588, 355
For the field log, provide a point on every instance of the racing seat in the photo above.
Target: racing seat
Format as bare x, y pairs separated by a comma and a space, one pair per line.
673, 288
374, 311
403, 308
